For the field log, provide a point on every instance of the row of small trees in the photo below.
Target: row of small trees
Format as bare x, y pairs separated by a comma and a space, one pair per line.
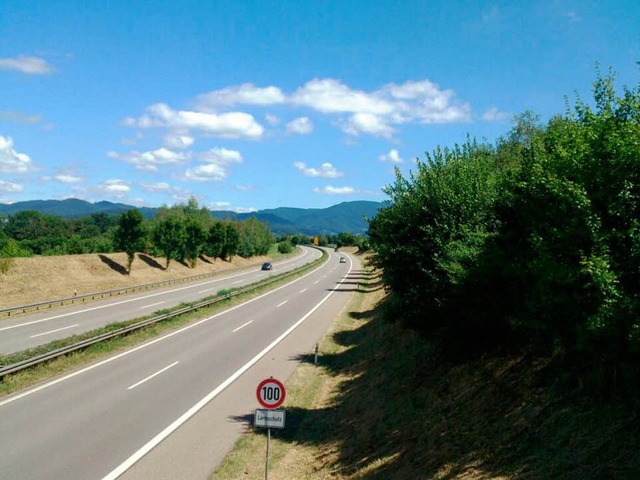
182, 232
533, 242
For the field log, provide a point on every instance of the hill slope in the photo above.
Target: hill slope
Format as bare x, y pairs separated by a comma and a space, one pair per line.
347, 217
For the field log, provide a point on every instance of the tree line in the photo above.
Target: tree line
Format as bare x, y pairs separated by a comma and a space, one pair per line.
181, 232
530, 244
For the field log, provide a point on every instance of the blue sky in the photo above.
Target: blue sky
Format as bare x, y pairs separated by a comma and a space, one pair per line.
248, 105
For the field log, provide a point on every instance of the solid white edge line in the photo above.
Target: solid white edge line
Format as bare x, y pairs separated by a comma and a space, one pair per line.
242, 326
129, 462
153, 375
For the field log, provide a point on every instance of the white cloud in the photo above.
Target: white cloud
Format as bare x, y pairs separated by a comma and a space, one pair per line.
221, 156
272, 119
26, 64
10, 187
245, 94
209, 172
359, 112
224, 125
245, 188
12, 161
244, 209
302, 126
226, 206
330, 190
425, 102
150, 160
220, 205
112, 189
157, 187
374, 113
177, 194
331, 96
326, 170
179, 142
67, 178
20, 117
216, 160
495, 115
392, 157
366, 123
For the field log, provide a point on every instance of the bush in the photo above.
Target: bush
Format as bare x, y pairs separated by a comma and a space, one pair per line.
285, 247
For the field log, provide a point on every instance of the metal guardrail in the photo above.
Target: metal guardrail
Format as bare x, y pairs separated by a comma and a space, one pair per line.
48, 304
45, 357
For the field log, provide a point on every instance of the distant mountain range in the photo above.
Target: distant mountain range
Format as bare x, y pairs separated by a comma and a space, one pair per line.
347, 217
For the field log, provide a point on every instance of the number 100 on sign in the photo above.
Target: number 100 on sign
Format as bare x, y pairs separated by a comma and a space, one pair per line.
270, 393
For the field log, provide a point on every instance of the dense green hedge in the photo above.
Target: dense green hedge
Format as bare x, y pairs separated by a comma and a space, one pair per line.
532, 243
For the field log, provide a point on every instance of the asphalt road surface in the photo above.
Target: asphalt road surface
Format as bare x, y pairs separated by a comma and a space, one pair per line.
27, 331
172, 407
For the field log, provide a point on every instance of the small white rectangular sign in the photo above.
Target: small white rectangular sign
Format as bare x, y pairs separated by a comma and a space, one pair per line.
268, 418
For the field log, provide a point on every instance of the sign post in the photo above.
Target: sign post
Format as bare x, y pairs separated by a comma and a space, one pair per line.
271, 395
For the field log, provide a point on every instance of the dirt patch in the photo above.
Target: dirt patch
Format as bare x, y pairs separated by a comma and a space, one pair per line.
40, 279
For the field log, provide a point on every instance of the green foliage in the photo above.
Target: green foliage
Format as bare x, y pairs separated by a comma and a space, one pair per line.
168, 237
130, 235
285, 247
195, 236
216, 240
534, 243
255, 238
232, 240
429, 236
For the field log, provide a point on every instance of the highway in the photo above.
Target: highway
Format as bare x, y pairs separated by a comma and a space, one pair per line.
189, 391
27, 331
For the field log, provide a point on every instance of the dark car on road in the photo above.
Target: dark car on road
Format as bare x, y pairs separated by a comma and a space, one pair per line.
267, 266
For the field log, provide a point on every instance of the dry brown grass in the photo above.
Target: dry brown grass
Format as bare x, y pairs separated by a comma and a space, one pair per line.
39, 279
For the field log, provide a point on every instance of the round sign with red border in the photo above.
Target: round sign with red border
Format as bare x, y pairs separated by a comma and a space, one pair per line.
270, 393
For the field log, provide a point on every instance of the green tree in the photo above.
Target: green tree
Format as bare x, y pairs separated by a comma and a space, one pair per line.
168, 237
285, 247
216, 240
433, 230
195, 238
130, 235
232, 240
255, 238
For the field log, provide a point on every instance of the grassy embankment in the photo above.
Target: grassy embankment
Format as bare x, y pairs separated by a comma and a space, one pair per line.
379, 406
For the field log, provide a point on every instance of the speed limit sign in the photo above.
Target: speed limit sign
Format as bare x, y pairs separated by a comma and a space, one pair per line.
270, 393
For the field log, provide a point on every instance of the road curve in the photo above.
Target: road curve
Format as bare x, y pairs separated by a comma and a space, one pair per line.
187, 393
28, 331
